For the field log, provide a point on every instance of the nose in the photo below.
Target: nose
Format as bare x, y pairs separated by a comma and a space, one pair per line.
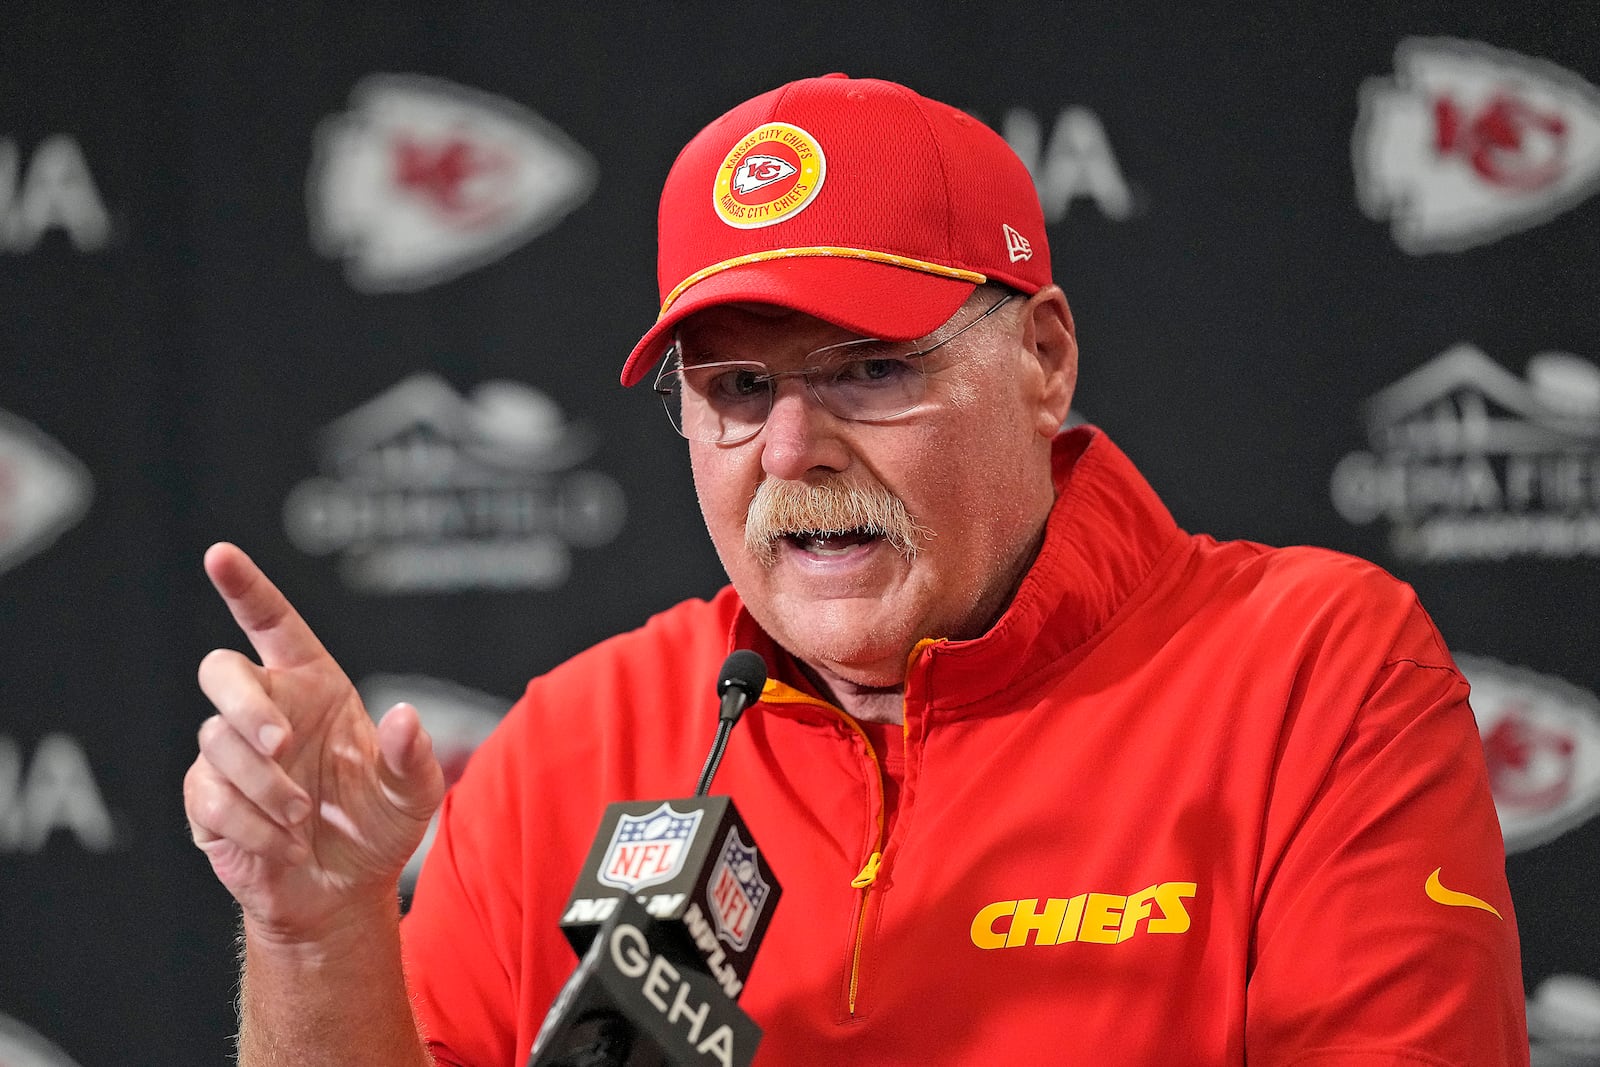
800, 435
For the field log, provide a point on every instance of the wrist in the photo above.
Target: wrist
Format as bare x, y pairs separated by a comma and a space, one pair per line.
356, 928
337, 995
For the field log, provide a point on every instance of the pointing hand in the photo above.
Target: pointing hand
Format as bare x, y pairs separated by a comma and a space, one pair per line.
302, 805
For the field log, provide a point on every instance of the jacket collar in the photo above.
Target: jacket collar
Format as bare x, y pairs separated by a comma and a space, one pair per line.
1103, 540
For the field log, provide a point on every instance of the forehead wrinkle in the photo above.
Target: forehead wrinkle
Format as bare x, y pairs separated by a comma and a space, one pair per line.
763, 333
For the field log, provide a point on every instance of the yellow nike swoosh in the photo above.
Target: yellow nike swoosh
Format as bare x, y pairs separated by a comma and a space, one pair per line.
1453, 899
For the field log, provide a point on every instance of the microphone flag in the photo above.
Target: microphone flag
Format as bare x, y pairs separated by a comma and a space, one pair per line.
694, 866
632, 1002
669, 908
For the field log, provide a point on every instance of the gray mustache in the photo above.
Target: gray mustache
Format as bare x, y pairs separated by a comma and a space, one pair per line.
780, 508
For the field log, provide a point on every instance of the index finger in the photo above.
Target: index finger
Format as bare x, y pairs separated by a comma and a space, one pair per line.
275, 630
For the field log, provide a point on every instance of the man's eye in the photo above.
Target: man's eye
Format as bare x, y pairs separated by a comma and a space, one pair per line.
735, 385
873, 370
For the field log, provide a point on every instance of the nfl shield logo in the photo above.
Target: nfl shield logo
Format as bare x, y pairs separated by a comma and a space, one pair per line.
648, 849
736, 891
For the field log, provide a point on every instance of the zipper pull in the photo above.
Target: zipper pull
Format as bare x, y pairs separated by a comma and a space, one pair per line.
869, 873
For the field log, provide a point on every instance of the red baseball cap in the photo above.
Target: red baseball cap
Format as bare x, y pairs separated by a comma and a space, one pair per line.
853, 200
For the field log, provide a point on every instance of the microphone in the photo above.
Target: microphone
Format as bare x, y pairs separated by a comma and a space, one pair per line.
668, 911
739, 685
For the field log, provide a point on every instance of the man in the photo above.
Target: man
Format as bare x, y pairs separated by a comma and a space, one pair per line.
1045, 779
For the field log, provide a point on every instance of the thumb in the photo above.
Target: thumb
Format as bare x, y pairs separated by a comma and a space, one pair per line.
411, 776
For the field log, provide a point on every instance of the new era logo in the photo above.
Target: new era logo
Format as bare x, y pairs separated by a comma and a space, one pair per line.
1017, 246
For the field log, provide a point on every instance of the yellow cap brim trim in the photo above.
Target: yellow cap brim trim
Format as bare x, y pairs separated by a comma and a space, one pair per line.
954, 273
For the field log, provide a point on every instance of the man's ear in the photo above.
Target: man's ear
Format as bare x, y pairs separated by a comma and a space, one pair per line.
1049, 335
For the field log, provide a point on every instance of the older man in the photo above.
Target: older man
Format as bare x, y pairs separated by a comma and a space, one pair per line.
1045, 778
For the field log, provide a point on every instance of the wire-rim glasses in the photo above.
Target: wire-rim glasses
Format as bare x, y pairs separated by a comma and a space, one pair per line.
864, 380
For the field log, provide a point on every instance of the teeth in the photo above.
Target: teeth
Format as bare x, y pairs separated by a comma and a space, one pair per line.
828, 542
819, 547
806, 537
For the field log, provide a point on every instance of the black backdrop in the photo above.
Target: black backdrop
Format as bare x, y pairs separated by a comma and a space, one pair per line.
353, 289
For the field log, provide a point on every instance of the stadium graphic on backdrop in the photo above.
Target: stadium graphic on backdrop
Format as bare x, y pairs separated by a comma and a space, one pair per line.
423, 490
1466, 461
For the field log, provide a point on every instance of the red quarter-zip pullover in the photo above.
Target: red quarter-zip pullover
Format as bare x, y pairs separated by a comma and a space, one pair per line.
1188, 802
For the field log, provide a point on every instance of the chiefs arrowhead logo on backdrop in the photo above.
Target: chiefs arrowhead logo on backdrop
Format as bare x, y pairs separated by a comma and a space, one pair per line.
21, 1046
1468, 143
1541, 740
44, 491
1564, 1020
423, 180
458, 720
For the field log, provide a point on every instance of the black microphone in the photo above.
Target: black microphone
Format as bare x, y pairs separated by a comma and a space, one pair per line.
666, 916
739, 685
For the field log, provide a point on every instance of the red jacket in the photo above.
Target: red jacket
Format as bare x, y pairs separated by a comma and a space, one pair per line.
1188, 802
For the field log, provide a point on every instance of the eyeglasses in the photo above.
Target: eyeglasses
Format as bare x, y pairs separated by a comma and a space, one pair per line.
865, 380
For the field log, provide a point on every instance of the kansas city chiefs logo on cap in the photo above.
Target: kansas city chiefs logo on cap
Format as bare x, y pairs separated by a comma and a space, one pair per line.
772, 172
757, 172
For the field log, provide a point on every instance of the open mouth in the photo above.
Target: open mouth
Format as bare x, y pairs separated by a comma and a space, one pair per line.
831, 542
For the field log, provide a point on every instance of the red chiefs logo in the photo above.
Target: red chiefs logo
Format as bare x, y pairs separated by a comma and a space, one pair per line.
1541, 741
760, 178
760, 172
1467, 143
468, 182
1508, 142
421, 180
1530, 766
772, 173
